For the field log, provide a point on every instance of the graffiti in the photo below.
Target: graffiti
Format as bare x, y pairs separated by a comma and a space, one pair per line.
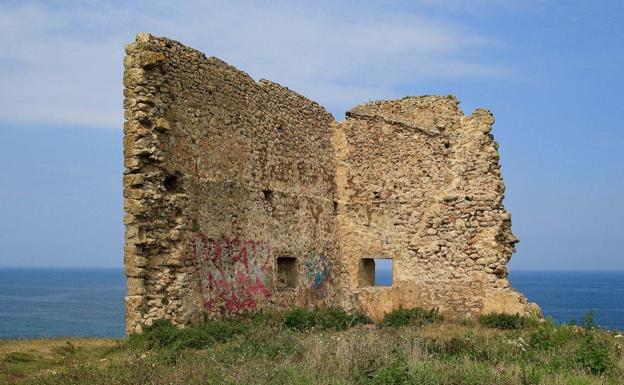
317, 273
232, 273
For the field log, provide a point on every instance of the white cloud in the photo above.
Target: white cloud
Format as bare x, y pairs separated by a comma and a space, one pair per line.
62, 63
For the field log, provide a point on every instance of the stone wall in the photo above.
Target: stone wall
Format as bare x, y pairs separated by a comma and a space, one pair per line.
420, 183
242, 195
224, 177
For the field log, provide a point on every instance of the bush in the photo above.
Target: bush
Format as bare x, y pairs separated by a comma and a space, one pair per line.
397, 373
413, 317
162, 334
588, 320
593, 354
506, 321
299, 319
548, 336
320, 319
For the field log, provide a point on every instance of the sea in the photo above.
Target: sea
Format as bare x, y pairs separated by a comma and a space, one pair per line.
38, 302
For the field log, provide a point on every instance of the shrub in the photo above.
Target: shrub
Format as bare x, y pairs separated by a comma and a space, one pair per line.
547, 335
588, 320
302, 319
593, 355
162, 334
340, 320
413, 317
299, 319
506, 321
397, 373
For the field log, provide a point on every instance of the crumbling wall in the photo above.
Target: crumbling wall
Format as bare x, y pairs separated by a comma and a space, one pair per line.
420, 183
225, 179
243, 195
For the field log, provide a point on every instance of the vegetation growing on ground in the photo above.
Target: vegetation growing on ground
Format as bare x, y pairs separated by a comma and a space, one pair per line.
414, 317
506, 321
410, 346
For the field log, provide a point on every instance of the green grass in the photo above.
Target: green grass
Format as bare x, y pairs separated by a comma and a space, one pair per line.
411, 346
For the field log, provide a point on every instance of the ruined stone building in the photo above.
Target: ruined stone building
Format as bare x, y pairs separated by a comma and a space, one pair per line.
244, 195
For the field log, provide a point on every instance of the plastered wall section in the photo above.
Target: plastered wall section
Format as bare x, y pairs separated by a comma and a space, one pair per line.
420, 183
223, 176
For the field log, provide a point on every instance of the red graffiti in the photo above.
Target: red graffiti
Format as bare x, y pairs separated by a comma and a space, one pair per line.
232, 273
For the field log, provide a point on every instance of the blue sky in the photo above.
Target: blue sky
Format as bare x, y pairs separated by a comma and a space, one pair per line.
551, 71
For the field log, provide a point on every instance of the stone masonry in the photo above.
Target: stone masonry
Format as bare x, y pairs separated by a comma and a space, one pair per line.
242, 195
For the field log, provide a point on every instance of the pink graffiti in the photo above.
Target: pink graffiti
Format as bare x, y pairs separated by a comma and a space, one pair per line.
232, 273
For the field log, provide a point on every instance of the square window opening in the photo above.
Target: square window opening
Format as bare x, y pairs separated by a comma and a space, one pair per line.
286, 272
376, 272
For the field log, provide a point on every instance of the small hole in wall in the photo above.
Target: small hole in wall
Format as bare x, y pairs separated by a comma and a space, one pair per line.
376, 272
447, 145
286, 272
376, 195
173, 182
335, 207
268, 195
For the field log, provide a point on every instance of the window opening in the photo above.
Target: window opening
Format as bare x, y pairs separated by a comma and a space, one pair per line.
286, 272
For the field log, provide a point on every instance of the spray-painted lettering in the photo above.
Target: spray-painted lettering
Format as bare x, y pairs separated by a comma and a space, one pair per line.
232, 273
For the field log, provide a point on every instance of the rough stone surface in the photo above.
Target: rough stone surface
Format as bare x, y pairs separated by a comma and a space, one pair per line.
243, 195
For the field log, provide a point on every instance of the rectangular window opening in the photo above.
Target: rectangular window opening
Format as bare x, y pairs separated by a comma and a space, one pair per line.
376, 272
286, 272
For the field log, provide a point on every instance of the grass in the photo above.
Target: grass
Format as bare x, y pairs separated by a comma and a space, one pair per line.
411, 346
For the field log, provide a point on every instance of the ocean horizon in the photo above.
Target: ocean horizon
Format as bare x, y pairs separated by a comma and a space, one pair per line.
89, 302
